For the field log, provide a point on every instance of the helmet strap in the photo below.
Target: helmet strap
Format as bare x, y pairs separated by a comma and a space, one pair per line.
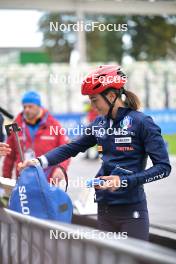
111, 105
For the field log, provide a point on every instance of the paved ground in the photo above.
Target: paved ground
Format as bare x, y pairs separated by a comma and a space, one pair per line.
161, 195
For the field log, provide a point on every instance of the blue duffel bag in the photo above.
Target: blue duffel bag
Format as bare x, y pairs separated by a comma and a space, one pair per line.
34, 196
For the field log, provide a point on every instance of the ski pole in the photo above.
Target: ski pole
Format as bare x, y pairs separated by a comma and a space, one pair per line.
14, 128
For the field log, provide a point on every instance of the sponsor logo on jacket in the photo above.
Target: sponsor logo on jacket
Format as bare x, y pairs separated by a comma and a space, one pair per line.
126, 122
123, 140
128, 148
156, 177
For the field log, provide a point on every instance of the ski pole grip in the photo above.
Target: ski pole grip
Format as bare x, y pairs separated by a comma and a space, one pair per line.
15, 129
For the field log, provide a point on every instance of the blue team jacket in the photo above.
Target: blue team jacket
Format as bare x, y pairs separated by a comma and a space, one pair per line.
127, 143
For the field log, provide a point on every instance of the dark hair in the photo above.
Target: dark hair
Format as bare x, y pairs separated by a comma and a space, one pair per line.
132, 101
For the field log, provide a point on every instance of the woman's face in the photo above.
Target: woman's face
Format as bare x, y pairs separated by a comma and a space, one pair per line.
99, 104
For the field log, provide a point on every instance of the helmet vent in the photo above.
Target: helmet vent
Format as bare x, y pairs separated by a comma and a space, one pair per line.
120, 73
97, 86
101, 75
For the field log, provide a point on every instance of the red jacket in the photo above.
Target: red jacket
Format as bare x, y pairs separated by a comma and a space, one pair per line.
42, 143
91, 115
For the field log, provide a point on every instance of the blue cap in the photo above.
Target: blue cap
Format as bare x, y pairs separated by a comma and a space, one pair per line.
31, 97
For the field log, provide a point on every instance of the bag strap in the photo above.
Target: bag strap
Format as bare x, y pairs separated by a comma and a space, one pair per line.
65, 175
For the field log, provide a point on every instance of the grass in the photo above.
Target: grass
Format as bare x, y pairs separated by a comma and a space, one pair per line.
171, 140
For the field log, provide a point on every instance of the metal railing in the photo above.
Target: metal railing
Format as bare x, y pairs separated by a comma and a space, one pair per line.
159, 234
25, 239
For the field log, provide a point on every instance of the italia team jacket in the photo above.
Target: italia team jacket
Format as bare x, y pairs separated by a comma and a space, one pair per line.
125, 142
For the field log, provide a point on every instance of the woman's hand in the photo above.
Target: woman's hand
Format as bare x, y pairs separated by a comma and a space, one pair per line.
27, 163
112, 183
4, 149
58, 175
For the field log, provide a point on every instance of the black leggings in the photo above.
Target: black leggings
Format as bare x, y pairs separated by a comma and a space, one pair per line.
131, 219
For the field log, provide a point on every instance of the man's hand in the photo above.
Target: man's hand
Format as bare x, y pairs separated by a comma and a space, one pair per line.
27, 163
112, 183
4, 149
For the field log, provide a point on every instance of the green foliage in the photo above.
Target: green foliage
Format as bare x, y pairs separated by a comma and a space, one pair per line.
149, 38
57, 43
105, 45
171, 141
152, 37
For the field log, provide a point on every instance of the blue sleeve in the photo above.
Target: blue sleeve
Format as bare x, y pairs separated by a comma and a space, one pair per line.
156, 149
80, 144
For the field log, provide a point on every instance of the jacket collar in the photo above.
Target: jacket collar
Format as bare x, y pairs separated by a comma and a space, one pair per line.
121, 113
43, 121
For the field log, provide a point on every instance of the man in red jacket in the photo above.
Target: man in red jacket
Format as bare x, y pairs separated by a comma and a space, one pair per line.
35, 137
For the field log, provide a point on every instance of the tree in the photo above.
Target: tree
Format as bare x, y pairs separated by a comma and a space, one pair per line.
149, 38
152, 37
58, 44
105, 45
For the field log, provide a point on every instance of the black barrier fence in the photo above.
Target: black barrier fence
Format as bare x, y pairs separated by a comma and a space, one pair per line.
25, 239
